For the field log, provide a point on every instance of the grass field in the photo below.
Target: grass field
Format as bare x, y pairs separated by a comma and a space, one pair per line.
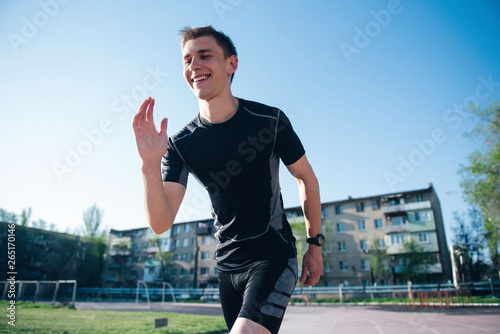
46, 319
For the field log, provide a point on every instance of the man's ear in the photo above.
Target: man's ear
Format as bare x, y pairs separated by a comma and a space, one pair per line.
232, 64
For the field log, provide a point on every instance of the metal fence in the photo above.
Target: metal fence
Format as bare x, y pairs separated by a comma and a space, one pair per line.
154, 291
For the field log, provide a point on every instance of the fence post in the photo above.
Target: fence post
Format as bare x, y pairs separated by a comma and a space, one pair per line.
492, 287
410, 295
340, 293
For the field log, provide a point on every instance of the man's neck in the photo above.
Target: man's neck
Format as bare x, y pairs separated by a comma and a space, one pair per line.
218, 110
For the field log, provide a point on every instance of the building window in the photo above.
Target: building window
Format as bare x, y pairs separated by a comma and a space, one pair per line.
174, 272
338, 209
186, 227
361, 225
422, 216
379, 224
341, 246
365, 265
380, 243
176, 257
184, 257
215, 271
366, 282
191, 272
343, 265
419, 198
360, 207
205, 255
324, 212
376, 204
176, 243
176, 230
397, 239
363, 244
327, 267
340, 228
423, 238
185, 242
206, 240
204, 271
400, 220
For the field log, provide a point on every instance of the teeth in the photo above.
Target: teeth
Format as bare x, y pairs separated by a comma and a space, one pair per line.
200, 78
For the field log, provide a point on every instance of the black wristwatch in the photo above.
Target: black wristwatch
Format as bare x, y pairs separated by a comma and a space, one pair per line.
319, 240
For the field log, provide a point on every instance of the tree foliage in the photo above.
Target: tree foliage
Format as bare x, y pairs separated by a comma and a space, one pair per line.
165, 259
379, 260
92, 220
25, 217
469, 241
415, 261
480, 178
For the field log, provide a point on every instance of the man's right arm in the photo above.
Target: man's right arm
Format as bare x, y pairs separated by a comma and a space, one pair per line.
161, 199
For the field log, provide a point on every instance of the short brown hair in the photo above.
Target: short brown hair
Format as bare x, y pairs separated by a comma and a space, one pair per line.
227, 45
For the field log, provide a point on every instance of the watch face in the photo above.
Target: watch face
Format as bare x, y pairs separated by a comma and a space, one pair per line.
321, 239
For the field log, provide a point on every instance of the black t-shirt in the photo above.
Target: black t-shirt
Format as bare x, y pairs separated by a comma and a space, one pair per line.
237, 161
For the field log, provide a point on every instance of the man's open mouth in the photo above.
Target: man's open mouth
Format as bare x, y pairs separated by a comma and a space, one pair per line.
201, 78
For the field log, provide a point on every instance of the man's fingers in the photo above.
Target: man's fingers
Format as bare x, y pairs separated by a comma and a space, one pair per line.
149, 111
304, 274
140, 116
163, 126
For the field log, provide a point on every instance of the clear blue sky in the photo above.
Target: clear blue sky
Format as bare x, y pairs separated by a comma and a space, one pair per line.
374, 89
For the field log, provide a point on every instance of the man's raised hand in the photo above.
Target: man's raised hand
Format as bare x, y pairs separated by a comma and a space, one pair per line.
151, 144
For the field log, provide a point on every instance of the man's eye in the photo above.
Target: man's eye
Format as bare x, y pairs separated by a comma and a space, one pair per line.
205, 57
187, 62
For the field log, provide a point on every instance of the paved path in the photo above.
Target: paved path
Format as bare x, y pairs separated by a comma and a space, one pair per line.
347, 319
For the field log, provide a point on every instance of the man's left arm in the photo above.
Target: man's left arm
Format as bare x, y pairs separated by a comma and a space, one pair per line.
312, 264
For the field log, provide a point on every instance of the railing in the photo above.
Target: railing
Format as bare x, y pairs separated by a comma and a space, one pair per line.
211, 294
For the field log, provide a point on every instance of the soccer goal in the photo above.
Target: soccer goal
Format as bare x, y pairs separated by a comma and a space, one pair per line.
62, 291
146, 291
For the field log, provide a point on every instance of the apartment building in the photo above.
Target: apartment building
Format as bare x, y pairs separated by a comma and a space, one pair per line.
360, 233
184, 256
377, 230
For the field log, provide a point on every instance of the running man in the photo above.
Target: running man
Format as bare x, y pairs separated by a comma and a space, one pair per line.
233, 148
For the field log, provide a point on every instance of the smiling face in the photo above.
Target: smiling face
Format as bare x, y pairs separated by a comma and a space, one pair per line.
206, 70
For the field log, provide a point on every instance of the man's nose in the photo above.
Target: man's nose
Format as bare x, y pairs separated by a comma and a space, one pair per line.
194, 65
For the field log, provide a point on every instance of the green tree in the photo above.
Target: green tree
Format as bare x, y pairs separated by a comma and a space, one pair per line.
480, 178
414, 260
469, 240
378, 262
25, 217
8, 217
92, 268
92, 220
166, 259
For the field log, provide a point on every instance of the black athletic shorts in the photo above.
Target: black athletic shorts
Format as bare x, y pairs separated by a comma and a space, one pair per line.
260, 294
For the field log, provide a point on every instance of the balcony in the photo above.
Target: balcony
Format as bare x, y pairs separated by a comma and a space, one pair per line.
397, 228
120, 252
204, 230
400, 208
